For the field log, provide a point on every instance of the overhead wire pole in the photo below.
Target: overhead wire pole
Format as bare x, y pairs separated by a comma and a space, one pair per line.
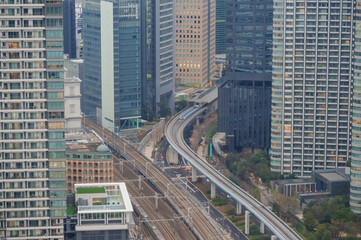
202, 227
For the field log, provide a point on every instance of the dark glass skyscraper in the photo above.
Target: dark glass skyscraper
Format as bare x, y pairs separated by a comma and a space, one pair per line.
220, 26
245, 98
69, 28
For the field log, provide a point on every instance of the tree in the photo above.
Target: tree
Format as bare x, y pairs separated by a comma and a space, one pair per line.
164, 110
276, 209
180, 105
322, 232
310, 221
289, 204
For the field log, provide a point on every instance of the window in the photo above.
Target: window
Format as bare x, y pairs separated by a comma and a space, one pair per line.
54, 135
52, 125
53, 155
57, 164
56, 85
57, 184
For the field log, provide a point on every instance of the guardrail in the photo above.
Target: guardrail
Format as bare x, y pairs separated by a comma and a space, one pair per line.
271, 220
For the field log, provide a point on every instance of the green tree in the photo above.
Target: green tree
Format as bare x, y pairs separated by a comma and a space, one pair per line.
322, 232
164, 110
276, 208
180, 105
310, 221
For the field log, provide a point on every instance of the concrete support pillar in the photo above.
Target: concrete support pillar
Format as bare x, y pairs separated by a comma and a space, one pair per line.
273, 237
156, 200
194, 174
213, 190
246, 223
239, 208
261, 227
197, 121
140, 182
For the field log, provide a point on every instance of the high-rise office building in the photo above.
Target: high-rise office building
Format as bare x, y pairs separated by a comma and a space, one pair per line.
32, 146
244, 112
195, 41
221, 26
311, 85
112, 62
158, 56
355, 191
69, 25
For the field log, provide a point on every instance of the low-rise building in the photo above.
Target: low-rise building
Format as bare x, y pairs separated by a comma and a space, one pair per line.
88, 162
325, 184
104, 211
335, 181
292, 187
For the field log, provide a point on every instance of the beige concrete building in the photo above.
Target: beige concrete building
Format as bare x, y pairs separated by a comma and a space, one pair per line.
195, 41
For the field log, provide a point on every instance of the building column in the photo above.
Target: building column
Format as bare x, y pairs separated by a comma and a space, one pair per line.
140, 182
213, 190
246, 223
239, 208
261, 227
156, 200
194, 174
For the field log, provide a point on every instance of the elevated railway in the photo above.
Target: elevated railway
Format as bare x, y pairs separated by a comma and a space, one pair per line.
174, 134
202, 225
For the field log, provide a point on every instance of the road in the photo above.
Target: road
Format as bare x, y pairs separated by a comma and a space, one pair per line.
174, 133
161, 155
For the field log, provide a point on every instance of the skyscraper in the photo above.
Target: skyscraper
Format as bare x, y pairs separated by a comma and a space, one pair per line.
112, 62
32, 155
158, 56
355, 191
221, 26
69, 24
311, 85
244, 99
195, 41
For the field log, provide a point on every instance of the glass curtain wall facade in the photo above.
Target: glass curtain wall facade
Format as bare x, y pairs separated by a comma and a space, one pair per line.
355, 191
112, 62
311, 85
69, 28
32, 146
244, 100
158, 56
221, 26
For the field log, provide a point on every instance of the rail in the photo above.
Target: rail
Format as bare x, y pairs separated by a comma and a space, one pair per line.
174, 134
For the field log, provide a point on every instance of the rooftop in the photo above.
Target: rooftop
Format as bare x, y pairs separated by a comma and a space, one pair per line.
87, 147
333, 176
102, 197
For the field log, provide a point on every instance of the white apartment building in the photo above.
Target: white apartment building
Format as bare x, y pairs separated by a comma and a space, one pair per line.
32, 146
311, 85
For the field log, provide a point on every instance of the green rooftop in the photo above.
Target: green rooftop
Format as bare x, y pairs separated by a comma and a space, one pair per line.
90, 190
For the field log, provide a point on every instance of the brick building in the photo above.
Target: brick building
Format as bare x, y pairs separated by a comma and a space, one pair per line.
88, 163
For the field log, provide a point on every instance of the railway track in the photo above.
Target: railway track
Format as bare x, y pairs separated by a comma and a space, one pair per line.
197, 218
163, 216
